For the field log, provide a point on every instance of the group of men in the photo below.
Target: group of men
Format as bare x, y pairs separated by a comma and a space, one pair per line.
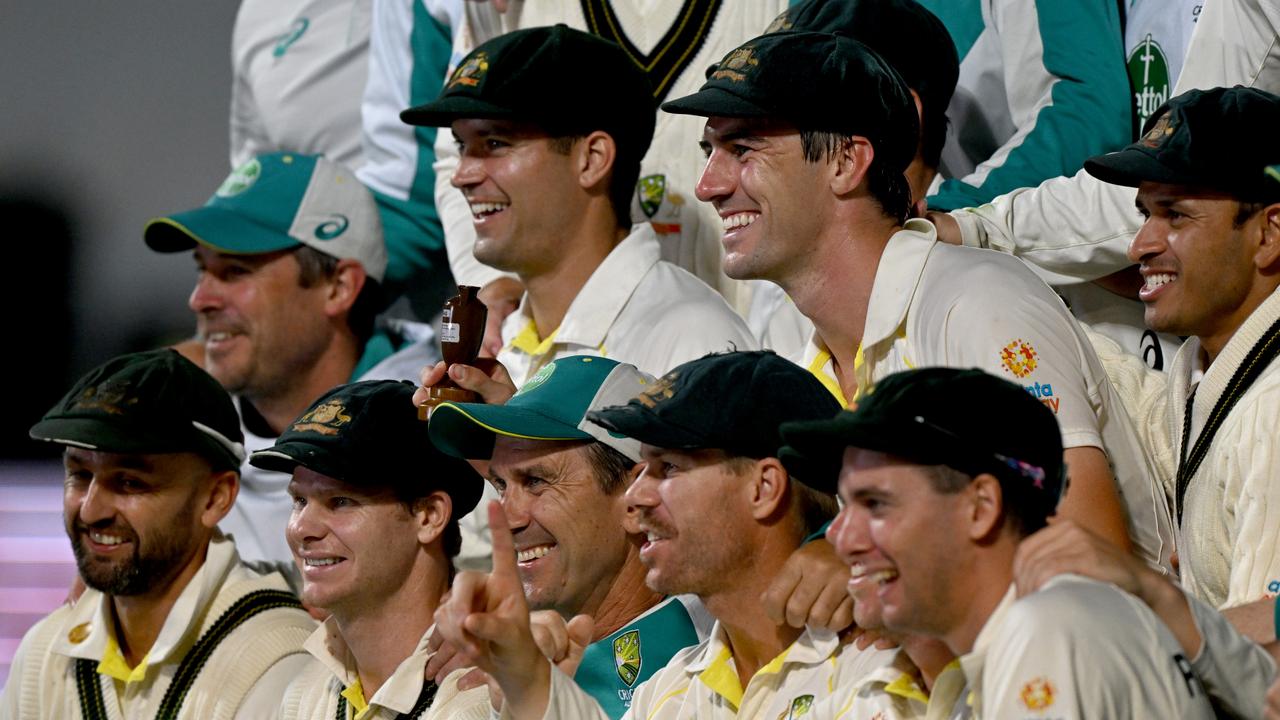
666, 539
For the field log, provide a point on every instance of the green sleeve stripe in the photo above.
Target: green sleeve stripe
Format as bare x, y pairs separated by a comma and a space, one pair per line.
1089, 113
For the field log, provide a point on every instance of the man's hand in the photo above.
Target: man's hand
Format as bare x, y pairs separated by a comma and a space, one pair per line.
487, 619
501, 297
811, 589
563, 643
493, 385
1065, 547
948, 228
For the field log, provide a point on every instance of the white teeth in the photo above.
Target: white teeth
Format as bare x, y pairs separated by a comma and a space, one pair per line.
738, 220
486, 208
106, 539
532, 553
857, 570
217, 336
883, 576
319, 562
1156, 280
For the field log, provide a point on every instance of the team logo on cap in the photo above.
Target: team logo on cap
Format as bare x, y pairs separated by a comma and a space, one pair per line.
471, 72
333, 228
652, 189
1159, 132
735, 65
240, 179
326, 419
780, 23
109, 398
1019, 358
799, 708
663, 389
538, 378
1037, 694
626, 656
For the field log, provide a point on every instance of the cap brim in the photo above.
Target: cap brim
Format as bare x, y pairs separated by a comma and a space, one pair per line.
215, 227
643, 425
1131, 167
121, 437
714, 101
467, 430
443, 111
815, 448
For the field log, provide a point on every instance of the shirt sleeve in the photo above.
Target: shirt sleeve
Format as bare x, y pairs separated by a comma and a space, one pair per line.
1045, 227
567, 700
248, 133
1068, 95
1009, 327
1253, 492
1234, 670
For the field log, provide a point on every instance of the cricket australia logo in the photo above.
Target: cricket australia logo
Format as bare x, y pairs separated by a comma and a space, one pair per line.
799, 708
626, 656
652, 189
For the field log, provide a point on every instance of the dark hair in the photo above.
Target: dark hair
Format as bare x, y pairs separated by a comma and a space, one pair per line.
1025, 507
623, 177
315, 267
610, 467
1248, 210
933, 132
889, 188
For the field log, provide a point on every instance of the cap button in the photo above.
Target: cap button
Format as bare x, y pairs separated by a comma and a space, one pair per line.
79, 633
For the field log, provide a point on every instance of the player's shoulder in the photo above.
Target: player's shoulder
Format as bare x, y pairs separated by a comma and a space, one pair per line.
981, 275
1078, 606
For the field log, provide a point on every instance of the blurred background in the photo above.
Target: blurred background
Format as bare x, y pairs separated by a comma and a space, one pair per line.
109, 115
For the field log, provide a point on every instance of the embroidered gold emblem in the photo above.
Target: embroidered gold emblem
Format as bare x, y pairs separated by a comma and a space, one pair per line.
471, 72
735, 66
79, 633
326, 419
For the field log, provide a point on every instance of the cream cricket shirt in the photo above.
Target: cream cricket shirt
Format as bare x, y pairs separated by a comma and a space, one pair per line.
331, 679
243, 678
934, 304
890, 692
1078, 648
635, 308
701, 682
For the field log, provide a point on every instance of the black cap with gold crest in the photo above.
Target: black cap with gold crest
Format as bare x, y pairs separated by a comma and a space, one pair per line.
565, 81
152, 402
367, 434
1220, 139
816, 82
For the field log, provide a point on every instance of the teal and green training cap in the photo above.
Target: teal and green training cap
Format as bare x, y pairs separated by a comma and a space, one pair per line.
153, 402
552, 405
280, 201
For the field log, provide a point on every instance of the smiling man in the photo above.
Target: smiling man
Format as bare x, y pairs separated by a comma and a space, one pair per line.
172, 624
1209, 253
719, 517
807, 138
562, 482
936, 505
373, 530
290, 255
551, 125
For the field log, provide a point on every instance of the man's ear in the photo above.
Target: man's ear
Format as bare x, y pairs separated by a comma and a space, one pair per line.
223, 488
850, 164
770, 486
432, 514
1267, 257
344, 287
985, 510
595, 155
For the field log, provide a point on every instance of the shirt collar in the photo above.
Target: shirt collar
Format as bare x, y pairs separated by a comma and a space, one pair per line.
399, 693
89, 631
600, 301
714, 664
973, 661
897, 278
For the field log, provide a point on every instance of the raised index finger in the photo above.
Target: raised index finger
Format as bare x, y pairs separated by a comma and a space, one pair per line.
504, 573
